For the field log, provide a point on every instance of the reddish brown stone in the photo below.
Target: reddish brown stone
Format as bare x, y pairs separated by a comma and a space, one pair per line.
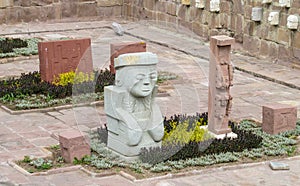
264, 49
225, 6
117, 49
278, 118
63, 56
149, 5
283, 36
295, 42
87, 9
73, 144
220, 81
251, 44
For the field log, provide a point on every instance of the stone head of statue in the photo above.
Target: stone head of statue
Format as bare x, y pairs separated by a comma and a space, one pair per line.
136, 73
273, 18
292, 21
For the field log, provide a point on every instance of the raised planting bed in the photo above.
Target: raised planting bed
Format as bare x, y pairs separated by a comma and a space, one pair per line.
30, 92
13, 47
189, 152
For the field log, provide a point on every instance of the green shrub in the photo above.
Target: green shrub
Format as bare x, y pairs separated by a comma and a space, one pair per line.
73, 78
11, 47
31, 84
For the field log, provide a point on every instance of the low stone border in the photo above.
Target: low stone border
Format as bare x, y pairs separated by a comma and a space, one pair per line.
49, 172
49, 109
18, 58
133, 179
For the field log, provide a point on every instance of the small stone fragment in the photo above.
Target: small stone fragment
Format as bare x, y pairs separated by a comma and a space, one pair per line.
118, 29
279, 166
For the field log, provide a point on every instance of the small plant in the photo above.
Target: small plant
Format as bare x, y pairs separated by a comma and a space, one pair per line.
73, 78
26, 159
136, 167
41, 163
12, 47
55, 147
85, 160
160, 167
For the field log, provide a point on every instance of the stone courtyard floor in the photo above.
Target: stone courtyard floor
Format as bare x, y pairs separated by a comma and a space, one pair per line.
256, 82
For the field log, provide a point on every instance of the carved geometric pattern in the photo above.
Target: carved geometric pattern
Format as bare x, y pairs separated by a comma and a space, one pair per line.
63, 56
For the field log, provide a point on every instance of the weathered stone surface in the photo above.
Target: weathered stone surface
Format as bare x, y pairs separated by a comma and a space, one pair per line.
62, 56
149, 4
73, 144
109, 2
249, 27
283, 36
295, 42
118, 29
220, 81
279, 166
68, 9
134, 121
264, 48
87, 9
6, 3
117, 49
186, 2
296, 53
285, 53
251, 44
278, 118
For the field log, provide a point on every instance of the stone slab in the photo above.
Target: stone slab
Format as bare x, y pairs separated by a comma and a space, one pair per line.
63, 56
279, 166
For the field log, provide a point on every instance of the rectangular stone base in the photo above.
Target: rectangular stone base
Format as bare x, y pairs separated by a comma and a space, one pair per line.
229, 134
117, 144
222, 136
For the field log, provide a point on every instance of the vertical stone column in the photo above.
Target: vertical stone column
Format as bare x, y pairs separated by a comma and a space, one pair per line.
220, 81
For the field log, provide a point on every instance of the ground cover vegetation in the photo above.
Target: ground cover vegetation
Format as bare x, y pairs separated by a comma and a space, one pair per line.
189, 149
30, 92
12, 47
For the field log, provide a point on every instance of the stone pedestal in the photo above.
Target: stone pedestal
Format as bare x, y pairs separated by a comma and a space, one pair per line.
220, 81
57, 57
278, 118
73, 144
117, 49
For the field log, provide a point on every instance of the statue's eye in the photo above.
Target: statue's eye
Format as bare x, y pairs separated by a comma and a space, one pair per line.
153, 76
140, 76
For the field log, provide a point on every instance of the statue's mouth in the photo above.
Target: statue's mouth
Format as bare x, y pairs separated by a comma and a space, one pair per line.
146, 90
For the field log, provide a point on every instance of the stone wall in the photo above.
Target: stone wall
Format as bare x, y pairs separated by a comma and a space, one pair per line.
258, 38
15, 11
234, 18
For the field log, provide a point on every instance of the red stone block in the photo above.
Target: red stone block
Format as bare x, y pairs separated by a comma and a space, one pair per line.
63, 56
73, 144
278, 118
117, 49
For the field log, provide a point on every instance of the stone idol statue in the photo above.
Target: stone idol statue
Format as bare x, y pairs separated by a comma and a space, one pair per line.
134, 120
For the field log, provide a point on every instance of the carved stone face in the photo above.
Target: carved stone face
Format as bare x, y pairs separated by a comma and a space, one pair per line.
139, 81
273, 18
144, 82
292, 22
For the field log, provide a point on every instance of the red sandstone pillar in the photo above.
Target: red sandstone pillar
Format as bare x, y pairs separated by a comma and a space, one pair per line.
220, 81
